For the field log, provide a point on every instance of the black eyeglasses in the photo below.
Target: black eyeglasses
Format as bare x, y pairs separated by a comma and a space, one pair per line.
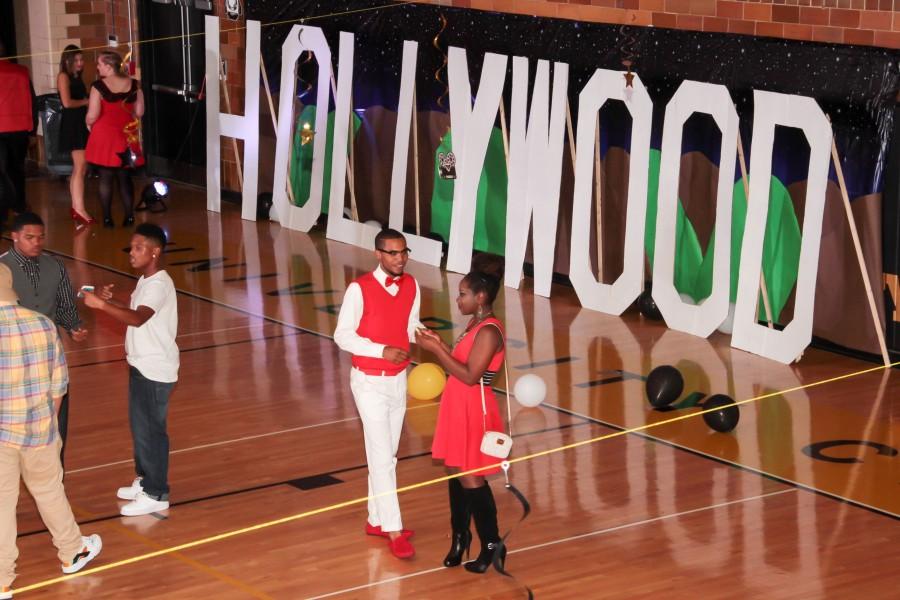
405, 251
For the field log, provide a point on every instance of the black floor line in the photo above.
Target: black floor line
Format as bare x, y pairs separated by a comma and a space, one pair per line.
192, 295
738, 466
266, 486
546, 363
198, 348
611, 426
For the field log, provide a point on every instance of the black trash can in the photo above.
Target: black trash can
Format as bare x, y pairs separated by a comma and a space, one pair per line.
50, 109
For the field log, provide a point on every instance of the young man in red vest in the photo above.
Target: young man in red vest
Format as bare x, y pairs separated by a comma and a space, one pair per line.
18, 120
377, 322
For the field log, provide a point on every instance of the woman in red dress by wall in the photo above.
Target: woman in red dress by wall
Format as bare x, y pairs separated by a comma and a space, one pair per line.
472, 363
115, 107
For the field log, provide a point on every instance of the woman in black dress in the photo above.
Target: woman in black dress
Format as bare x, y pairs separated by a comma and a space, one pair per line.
73, 133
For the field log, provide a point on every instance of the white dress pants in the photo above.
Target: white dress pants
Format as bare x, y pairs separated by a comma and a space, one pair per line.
381, 402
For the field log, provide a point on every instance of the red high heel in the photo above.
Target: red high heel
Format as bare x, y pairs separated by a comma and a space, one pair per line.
78, 218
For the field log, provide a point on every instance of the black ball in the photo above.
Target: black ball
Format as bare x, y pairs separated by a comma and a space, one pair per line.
263, 206
725, 419
647, 306
664, 386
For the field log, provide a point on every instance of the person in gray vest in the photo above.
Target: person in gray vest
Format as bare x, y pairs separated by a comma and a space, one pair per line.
43, 285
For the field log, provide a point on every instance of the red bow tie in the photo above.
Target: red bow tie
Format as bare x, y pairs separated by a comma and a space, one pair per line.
389, 281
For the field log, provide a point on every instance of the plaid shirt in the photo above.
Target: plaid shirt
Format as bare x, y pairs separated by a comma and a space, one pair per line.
32, 373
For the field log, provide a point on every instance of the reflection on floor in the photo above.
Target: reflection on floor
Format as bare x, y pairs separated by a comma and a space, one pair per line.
261, 404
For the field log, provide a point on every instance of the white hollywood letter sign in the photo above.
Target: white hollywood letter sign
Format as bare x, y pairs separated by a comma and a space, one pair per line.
535, 168
423, 249
471, 132
714, 100
341, 228
299, 40
771, 109
616, 297
241, 127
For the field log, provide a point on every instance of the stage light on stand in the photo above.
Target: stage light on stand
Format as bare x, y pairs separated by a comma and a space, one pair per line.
153, 197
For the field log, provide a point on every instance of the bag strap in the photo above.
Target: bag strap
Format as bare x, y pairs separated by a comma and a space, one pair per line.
481, 385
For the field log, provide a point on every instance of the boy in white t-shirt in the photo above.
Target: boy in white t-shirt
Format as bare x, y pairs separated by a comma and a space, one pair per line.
152, 354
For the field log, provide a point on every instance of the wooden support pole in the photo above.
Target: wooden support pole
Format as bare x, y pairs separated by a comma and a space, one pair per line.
265, 78
352, 165
415, 136
767, 306
571, 133
505, 133
860, 259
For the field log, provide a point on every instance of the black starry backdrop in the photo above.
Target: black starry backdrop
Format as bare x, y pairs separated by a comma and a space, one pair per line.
855, 85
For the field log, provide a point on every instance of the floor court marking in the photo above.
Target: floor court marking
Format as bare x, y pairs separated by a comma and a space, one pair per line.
240, 439
196, 564
109, 361
880, 511
347, 503
194, 295
617, 427
641, 432
561, 541
274, 484
421, 484
183, 335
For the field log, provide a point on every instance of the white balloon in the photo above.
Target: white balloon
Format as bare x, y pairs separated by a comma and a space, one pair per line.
373, 223
727, 325
530, 390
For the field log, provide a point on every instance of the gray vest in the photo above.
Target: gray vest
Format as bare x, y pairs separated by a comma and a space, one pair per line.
42, 300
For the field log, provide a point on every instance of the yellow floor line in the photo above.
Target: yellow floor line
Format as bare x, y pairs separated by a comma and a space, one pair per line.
346, 503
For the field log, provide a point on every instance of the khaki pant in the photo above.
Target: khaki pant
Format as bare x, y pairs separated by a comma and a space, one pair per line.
42, 472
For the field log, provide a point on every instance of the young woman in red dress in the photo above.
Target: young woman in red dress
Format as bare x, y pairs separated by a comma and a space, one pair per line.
115, 107
472, 363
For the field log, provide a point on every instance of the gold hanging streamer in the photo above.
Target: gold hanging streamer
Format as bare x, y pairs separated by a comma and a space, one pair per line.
307, 57
628, 52
306, 131
437, 74
125, 60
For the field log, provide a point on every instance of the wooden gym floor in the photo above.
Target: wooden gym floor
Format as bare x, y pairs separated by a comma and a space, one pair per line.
263, 427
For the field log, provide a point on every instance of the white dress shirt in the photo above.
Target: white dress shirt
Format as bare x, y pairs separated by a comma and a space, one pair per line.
351, 312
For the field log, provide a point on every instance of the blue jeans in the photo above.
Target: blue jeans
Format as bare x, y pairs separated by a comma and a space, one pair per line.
148, 404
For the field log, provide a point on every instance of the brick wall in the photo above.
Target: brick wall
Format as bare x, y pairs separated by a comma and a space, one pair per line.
865, 22
33, 33
45, 27
89, 23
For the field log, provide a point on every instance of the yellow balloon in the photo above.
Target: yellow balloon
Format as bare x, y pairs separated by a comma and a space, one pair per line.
426, 381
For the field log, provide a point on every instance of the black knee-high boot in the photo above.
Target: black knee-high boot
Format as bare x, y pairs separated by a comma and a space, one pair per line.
484, 512
459, 522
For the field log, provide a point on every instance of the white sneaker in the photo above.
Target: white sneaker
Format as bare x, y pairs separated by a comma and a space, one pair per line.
92, 546
130, 492
143, 505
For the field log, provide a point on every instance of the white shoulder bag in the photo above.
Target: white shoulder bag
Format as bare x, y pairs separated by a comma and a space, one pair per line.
497, 443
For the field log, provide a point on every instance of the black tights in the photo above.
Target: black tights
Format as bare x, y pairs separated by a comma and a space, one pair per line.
126, 190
